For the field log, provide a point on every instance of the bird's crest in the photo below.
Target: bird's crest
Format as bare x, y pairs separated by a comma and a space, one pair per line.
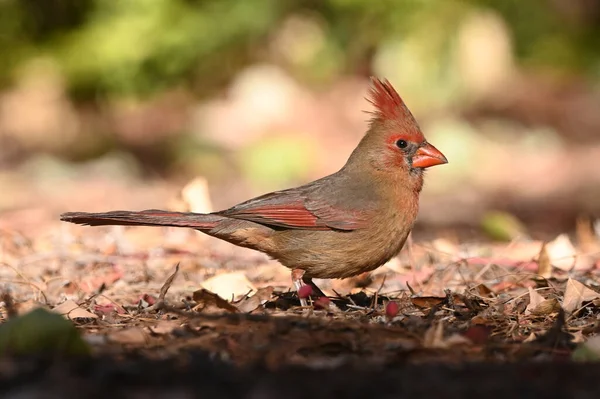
387, 101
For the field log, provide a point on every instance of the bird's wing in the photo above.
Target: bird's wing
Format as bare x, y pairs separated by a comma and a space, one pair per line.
295, 209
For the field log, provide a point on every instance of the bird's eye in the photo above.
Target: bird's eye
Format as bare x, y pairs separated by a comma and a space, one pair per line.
401, 144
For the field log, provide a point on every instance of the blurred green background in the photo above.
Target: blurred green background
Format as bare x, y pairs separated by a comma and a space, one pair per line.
258, 95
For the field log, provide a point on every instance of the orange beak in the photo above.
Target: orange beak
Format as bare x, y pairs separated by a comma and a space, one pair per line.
427, 155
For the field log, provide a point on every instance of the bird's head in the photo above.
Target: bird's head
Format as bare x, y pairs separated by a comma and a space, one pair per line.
394, 142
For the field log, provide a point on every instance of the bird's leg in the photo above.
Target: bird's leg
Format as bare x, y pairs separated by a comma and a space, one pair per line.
316, 290
297, 277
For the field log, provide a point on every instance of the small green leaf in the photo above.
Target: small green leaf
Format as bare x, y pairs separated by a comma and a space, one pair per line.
502, 226
41, 331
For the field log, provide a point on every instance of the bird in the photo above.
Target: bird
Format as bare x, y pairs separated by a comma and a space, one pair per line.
339, 226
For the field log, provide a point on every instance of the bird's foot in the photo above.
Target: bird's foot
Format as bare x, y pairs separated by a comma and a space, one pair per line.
316, 290
300, 280
297, 278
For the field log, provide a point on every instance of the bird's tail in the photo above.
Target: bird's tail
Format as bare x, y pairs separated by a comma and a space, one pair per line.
151, 217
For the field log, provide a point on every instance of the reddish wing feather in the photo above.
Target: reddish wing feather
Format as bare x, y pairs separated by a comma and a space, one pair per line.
293, 215
291, 210
280, 208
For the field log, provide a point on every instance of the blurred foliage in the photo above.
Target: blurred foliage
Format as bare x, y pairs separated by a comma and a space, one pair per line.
121, 79
276, 159
502, 226
140, 47
40, 332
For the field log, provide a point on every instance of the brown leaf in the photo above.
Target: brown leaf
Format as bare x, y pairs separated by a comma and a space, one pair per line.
249, 304
544, 265
427, 301
575, 294
71, 310
586, 238
563, 255
206, 298
546, 307
484, 291
534, 300
229, 285
196, 196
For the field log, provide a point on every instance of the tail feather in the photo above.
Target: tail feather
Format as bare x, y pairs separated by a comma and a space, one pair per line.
151, 217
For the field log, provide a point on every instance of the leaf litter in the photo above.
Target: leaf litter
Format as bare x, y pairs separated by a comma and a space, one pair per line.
164, 291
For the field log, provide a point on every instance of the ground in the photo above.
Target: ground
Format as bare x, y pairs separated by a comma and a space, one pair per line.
181, 311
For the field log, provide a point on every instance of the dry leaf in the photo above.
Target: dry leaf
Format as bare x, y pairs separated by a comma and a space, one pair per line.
427, 301
546, 307
71, 310
249, 304
446, 247
563, 255
194, 197
535, 300
577, 293
229, 285
561, 252
206, 298
586, 238
544, 265
519, 250
484, 291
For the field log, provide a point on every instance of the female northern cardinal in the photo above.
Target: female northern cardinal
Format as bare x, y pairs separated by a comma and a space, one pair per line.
344, 224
